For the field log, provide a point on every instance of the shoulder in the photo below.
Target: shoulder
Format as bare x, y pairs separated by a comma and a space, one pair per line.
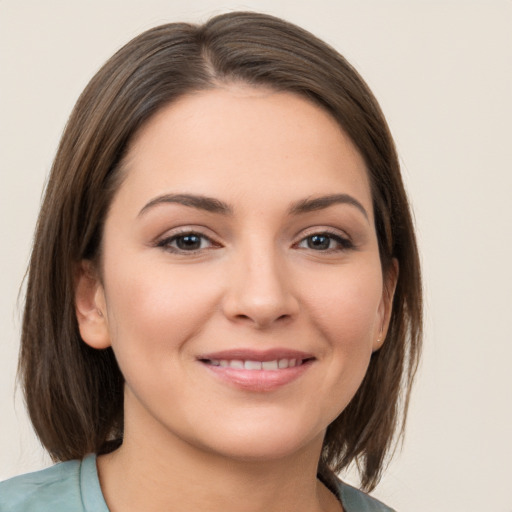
354, 500
56, 488
42, 490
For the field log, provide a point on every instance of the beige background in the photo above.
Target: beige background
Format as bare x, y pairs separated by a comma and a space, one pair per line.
442, 71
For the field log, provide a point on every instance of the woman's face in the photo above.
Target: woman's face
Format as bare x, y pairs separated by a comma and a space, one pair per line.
241, 290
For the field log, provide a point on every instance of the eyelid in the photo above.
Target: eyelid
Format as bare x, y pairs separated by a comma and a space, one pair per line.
324, 230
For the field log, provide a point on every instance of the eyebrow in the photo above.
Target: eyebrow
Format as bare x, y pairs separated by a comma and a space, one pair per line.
208, 204
319, 203
212, 205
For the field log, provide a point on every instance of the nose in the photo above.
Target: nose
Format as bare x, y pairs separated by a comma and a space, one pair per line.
259, 291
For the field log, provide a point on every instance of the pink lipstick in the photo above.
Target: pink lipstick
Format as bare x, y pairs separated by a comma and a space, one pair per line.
256, 370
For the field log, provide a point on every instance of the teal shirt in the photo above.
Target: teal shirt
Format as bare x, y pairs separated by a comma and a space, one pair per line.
74, 486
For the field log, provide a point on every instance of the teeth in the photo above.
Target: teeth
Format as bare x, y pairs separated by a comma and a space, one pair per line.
269, 365
256, 365
252, 365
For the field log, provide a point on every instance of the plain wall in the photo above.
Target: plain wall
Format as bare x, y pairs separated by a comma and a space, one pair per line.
442, 71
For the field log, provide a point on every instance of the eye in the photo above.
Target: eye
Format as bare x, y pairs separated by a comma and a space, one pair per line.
186, 242
325, 242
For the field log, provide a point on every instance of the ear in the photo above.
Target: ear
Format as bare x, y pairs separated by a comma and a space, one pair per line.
386, 304
90, 307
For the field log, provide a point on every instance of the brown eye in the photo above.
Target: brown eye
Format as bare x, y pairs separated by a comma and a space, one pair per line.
186, 242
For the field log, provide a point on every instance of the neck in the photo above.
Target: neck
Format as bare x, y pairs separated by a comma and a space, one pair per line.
156, 476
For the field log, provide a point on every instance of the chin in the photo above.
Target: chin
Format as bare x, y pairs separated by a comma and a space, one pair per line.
265, 444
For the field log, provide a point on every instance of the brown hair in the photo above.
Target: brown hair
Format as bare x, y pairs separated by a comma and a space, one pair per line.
74, 393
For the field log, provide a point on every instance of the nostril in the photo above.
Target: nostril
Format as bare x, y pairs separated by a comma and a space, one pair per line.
262, 320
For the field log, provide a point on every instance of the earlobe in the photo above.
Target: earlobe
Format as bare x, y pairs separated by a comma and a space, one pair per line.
90, 307
386, 304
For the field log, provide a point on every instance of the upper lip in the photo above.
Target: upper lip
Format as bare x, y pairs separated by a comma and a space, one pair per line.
256, 355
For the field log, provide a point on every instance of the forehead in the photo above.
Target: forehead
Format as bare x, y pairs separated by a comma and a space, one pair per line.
244, 142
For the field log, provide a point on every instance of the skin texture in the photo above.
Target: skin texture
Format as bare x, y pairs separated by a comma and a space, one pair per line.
254, 281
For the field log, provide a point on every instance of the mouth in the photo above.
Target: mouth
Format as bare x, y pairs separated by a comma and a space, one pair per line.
254, 365
257, 370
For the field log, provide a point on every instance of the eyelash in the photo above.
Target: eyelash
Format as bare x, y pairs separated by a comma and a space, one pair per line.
343, 244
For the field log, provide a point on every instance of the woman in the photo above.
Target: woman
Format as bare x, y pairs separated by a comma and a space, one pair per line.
224, 301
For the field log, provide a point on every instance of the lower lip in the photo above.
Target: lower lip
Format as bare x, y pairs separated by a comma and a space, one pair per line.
259, 380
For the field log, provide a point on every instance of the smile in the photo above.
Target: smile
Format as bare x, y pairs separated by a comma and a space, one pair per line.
275, 364
257, 371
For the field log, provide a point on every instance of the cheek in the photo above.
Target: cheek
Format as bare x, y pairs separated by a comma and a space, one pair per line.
156, 309
347, 315
347, 308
